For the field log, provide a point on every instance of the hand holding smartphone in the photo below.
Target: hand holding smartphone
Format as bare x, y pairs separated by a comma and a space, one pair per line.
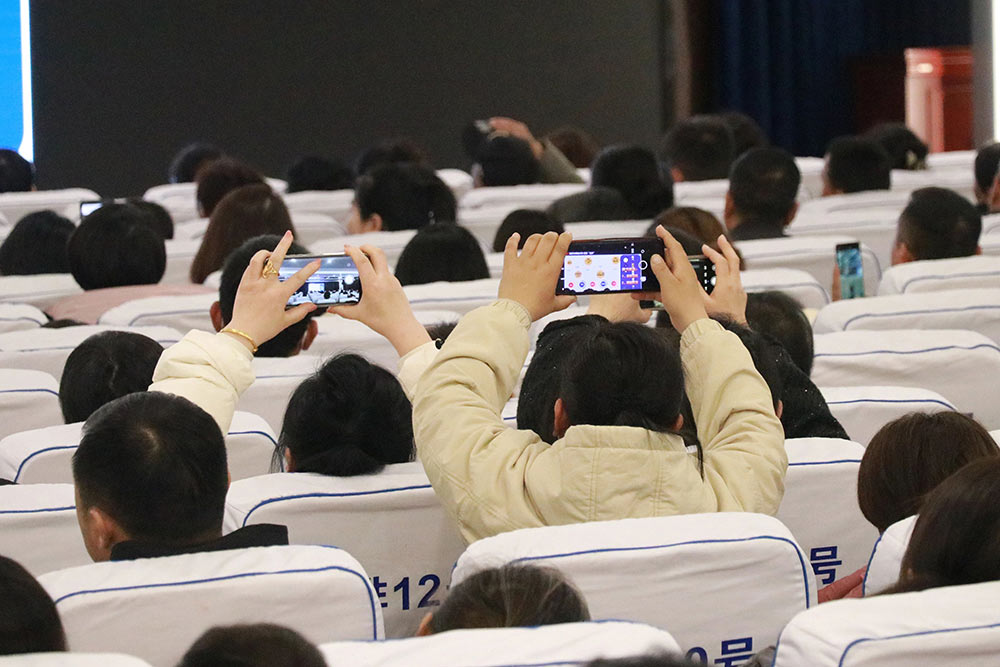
335, 283
850, 269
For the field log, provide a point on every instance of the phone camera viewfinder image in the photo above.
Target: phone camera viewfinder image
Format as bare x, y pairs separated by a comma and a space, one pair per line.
609, 266
336, 282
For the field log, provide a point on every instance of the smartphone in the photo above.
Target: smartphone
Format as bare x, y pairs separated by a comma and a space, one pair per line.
705, 270
88, 207
336, 281
851, 270
609, 266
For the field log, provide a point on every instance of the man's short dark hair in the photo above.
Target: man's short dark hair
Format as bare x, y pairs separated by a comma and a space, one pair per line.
390, 151
189, 159
286, 342
116, 246
156, 464
254, 645
525, 221
159, 218
747, 133
939, 223
405, 195
507, 160
319, 173
36, 244
857, 164
781, 317
16, 173
763, 184
701, 147
987, 164
218, 178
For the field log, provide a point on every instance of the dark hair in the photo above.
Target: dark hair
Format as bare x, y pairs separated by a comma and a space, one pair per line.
285, 343
764, 184
594, 203
524, 221
511, 596
159, 218
189, 159
36, 244
156, 464
244, 213
116, 246
747, 133
905, 149
908, 457
16, 173
579, 146
635, 174
857, 164
507, 160
939, 223
780, 316
698, 223
252, 645
406, 196
350, 418
319, 173
690, 243
441, 330
702, 147
442, 251
106, 366
29, 621
218, 178
986, 166
390, 151
956, 537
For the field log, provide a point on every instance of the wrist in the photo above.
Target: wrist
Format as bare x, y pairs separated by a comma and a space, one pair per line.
407, 335
244, 338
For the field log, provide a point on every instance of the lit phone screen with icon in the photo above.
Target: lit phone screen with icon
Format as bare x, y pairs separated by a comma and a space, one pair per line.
336, 282
608, 266
851, 270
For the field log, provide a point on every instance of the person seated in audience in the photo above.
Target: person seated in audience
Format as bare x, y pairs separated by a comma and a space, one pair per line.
246, 212
252, 645
747, 133
106, 366
16, 173
579, 146
937, 223
189, 160
780, 317
956, 537
594, 203
218, 178
151, 480
698, 223
509, 596
986, 167
350, 418
761, 202
290, 342
312, 173
905, 149
391, 151
855, 164
701, 148
504, 160
159, 218
36, 244
442, 251
525, 222
394, 197
29, 622
509, 154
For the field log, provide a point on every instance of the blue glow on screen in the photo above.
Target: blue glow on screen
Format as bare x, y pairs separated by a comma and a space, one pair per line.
15, 78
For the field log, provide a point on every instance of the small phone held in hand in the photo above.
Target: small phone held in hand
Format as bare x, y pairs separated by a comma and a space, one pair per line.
851, 270
336, 282
609, 266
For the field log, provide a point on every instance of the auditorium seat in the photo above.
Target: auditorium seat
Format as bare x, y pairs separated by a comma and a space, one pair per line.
20, 316
962, 181
796, 283
66, 202
459, 181
190, 229
44, 455
564, 644
958, 365
934, 275
74, 659
862, 411
28, 399
537, 195
277, 378
599, 229
958, 625
957, 160
311, 226
875, 228
887, 556
811, 169
39, 528
180, 312
721, 584
391, 243
47, 349
820, 506
180, 255
813, 254
40, 290
484, 222
888, 201
714, 188
334, 203
155, 608
458, 297
391, 521
991, 223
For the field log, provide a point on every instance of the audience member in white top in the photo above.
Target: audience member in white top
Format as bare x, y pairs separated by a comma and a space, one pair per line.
855, 164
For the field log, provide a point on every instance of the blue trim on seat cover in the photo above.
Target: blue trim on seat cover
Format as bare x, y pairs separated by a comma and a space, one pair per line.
20, 468
862, 640
346, 494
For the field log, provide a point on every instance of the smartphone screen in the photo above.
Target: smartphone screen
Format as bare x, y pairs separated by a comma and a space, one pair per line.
336, 281
88, 207
608, 266
705, 270
849, 265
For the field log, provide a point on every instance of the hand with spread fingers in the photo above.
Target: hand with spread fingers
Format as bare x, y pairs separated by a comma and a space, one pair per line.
681, 293
728, 298
530, 277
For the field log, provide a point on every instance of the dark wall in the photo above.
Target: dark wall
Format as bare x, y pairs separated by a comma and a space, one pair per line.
119, 85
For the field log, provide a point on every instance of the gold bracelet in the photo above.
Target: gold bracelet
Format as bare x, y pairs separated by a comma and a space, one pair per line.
237, 332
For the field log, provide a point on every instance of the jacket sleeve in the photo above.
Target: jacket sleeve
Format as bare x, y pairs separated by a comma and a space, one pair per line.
554, 167
412, 366
210, 370
476, 465
742, 439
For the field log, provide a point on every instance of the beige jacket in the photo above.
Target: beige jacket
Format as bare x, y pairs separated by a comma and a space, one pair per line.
495, 479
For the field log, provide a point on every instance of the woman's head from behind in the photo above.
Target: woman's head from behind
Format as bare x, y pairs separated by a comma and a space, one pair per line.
398, 196
350, 418
525, 221
116, 246
910, 456
29, 622
635, 173
442, 251
36, 244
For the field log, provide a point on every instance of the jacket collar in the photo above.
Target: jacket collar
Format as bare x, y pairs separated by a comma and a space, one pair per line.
258, 535
620, 437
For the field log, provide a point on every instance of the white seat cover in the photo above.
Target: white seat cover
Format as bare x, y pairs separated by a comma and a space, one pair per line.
684, 190
181, 312
680, 573
820, 506
952, 160
360, 514
457, 297
797, 284
970, 309
180, 255
277, 378
932, 275
16, 205
813, 254
334, 203
564, 644
312, 226
962, 181
537, 195
600, 229
41, 290
991, 223
887, 556
45, 455
862, 411
28, 399
391, 243
38, 527
459, 181
483, 223
820, 207
72, 660
960, 365
811, 169
155, 608
875, 228
20, 316
47, 349
956, 625
191, 230
160, 193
